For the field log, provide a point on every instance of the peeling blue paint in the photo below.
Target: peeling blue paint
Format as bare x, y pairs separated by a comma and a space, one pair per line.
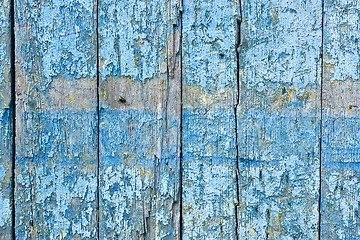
5, 123
279, 119
340, 171
209, 136
56, 134
139, 120
259, 156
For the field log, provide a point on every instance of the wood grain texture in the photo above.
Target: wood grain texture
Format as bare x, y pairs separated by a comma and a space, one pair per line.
279, 119
139, 119
56, 137
209, 138
222, 114
341, 122
5, 122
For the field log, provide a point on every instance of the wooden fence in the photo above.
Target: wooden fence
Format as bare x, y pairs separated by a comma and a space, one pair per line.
179, 119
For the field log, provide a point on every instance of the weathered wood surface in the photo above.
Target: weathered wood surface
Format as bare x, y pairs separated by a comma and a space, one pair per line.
139, 119
5, 122
279, 119
340, 217
209, 136
56, 123
192, 119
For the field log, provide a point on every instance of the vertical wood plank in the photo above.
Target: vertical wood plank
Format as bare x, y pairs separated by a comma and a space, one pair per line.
340, 218
139, 119
5, 122
279, 119
209, 138
56, 137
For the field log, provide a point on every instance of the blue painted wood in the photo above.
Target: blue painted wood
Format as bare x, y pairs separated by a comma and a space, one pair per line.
248, 123
341, 129
279, 119
139, 119
5, 123
209, 137
56, 137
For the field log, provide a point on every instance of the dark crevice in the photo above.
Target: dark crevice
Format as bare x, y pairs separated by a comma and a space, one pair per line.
144, 218
12, 114
321, 112
181, 123
237, 49
98, 124
237, 178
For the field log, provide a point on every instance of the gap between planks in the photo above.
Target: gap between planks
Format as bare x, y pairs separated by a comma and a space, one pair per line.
321, 112
237, 50
97, 125
12, 114
181, 123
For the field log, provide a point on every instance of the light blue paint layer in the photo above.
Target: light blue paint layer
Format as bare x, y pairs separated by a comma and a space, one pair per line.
340, 202
5, 175
209, 136
279, 119
5, 123
138, 176
56, 181
56, 135
209, 180
139, 135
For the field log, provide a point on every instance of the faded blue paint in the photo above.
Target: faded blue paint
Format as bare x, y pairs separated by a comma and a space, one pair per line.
56, 134
204, 142
5, 123
132, 174
139, 135
55, 181
275, 125
279, 119
273, 138
209, 138
5, 173
341, 147
209, 163
133, 31
278, 188
340, 141
209, 34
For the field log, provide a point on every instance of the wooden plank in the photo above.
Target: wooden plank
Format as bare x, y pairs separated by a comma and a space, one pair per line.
5, 122
341, 125
279, 119
209, 138
139, 119
56, 137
